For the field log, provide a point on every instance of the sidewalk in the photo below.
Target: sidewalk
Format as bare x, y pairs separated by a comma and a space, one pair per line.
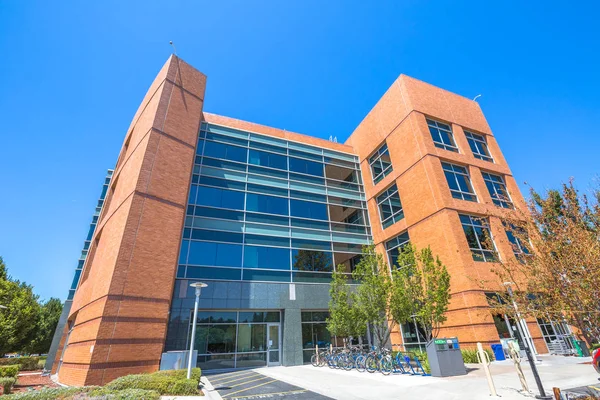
555, 371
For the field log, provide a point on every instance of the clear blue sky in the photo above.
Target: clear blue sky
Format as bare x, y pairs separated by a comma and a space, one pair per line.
73, 73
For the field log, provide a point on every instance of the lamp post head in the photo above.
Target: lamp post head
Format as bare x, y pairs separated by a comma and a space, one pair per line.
198, 286
509, 287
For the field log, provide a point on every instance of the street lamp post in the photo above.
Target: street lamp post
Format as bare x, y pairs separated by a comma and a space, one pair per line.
198, 286
528, 350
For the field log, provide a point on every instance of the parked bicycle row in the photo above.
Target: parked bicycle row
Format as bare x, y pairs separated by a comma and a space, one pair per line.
370, 360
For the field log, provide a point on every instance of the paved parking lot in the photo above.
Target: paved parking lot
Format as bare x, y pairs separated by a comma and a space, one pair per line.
581, 391
248, 385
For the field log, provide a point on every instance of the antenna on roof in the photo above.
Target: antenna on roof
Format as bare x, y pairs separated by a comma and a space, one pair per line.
174, 49
476, 97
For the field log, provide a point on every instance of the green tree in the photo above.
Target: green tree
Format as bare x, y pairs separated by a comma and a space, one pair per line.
422, 290
344, 320
46, 325
18, 319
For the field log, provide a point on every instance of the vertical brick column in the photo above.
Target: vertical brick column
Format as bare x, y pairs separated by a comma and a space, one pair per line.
120, 310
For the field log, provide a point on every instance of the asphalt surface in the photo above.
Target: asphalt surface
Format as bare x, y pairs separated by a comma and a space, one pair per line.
249, 385
580, 391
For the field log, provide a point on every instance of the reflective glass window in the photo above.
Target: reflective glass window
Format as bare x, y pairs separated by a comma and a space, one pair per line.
225, 151
479, 238
497, 188
381, 164
306, 167
442, 135
310, 260
390, 207
262, 275
459, 182
394, 248
479, 146
308, 209
266, 257
267, 159
223, 198
266, 204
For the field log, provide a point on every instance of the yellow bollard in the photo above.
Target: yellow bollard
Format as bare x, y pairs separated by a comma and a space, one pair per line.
514, 355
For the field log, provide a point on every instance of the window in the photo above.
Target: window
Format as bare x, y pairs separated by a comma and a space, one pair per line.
394, 247
479, 238
306, 167
221, 198
390, 207
265, 159
516, 242
266, 204
308, 209
442, 135
381, 164
214, 254
266, 257
479, 146
314, 332
459, 182
310, 260
497, 189
225, 151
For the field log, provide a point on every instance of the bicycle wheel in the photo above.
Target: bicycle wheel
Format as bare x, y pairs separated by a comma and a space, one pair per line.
349, 364
322, 359
313, 360
359, 364
385, 365
371, 364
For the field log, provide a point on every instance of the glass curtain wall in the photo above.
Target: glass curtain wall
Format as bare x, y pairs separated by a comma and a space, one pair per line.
266, 209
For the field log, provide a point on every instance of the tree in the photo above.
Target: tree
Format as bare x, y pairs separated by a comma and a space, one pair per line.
49, 315
17, 321
558, 276
344, 320
422, 290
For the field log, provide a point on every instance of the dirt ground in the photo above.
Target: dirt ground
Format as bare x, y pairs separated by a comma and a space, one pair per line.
33, 380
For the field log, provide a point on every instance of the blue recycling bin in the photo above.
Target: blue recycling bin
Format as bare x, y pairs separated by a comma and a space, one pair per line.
498, 352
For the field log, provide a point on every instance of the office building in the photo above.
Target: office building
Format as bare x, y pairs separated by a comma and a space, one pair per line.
264, 216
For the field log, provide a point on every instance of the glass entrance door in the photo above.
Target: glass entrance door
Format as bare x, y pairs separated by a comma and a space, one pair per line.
273, 345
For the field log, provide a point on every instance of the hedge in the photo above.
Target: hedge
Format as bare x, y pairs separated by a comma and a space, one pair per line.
62, 393
165, 383
10, 371
127, 394
85, 393
7, 383
26, 363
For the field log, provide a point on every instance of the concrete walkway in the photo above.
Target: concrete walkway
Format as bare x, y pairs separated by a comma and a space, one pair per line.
555, 371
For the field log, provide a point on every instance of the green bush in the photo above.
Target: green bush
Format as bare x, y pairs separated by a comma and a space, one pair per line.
127, 394
470, 355
181, 373
422, 356
594, 346
10, 371
26, 363
7, 384
165, 383
62, 393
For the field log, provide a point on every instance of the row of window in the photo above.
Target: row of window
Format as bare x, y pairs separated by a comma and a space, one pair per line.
443, 138
459, 182
479, 239
441, 134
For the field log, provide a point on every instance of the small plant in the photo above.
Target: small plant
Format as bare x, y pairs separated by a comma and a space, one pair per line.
164, 382
10, 371
63, 393
26, 363
127, 394
7, 383
470, 355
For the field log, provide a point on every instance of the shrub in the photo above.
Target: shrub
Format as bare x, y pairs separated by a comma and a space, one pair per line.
27, 363
181, 373
594, 346
422, 356
170, 383
127, 394
62, 393
470, 355
10, 371
7, 384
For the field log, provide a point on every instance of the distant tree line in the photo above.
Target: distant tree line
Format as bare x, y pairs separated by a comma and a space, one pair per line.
26, 324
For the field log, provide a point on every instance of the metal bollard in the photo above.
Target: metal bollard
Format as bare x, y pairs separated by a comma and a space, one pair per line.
484, 360
317, 350
516, 357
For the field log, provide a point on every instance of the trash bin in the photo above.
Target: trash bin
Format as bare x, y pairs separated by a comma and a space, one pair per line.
445, 358
585, 352
498, 352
